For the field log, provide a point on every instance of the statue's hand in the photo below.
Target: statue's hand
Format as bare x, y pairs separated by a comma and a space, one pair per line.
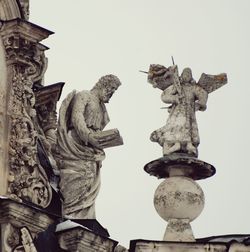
154, 136
177, 100
200, 107
93, 141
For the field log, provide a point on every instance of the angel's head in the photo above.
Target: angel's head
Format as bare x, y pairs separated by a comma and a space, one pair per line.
186, 75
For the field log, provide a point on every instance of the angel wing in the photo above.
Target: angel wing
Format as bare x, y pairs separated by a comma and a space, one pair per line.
212, 82
160, 76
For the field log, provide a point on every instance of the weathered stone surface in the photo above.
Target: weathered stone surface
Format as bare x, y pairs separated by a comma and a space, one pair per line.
179, 200
179, 230
25, 62
221, 245
14, 216
3, 122
80, 239
46, 101
9, 9
120, 248
177, 164
157, 246
82, 118
27, 242
25, 8
239, 247
185, 96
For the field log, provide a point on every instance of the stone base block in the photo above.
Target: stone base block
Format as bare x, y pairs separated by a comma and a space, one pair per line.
15, 216
158, 246
76, 238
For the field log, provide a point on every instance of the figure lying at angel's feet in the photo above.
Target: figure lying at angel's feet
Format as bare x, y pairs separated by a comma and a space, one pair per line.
171, 148
188, 148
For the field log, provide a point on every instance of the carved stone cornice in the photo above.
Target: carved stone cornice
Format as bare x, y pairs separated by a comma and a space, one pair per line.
21, 41
21, 215
15, 216
30, 31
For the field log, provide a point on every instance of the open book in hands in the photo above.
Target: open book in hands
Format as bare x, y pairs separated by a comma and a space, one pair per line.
109, 138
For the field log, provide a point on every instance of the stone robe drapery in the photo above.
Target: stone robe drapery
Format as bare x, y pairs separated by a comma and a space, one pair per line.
79, 162
181, 125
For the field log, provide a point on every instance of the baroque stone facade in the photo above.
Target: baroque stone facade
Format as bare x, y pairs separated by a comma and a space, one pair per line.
30, 203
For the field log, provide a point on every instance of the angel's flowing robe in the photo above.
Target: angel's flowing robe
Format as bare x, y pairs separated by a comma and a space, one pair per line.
79, 162
181, 125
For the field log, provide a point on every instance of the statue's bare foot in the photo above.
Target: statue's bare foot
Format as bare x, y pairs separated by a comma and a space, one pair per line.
191, 149
168, 150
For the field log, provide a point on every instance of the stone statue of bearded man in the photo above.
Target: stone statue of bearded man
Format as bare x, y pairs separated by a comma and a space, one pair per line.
82, 118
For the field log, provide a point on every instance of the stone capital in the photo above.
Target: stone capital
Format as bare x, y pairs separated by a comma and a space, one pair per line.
21, 40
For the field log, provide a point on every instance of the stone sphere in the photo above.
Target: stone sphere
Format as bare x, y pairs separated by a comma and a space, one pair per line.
179, 198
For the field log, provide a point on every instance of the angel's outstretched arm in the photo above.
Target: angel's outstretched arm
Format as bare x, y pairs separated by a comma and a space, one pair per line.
170, 95
201, 98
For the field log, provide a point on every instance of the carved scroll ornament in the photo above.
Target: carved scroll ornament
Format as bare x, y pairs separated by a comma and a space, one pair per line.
26, 64
27, 180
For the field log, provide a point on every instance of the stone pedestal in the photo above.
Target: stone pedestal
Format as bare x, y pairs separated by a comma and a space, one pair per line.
14, 216
76, 238
179, 199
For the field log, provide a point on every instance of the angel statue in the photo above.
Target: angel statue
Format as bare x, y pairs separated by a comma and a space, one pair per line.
185, 96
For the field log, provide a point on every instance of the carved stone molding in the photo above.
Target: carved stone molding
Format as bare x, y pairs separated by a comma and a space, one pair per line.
26, 65
27, 180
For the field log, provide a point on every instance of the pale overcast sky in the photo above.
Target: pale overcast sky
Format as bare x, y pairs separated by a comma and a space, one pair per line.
94, 38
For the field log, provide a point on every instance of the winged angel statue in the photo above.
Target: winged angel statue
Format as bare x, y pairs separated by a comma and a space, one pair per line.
185, 96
